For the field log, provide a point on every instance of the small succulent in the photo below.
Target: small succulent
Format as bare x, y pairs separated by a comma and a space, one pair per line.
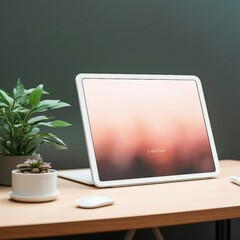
34, 166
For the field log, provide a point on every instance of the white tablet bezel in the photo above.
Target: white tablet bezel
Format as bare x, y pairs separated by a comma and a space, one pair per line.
89, 141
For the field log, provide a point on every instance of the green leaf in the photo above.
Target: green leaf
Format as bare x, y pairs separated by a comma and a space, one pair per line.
49, 139
35, 96
8, 143
57, 140
57, 146
18, 125
28, 91
18, 90
53, 138
6, 98
4, 149
34, 131
21, 110
60, 123
4, 134
56, 123
61, 105
3, 105
22, 100
45, 105
37, 119
33, 145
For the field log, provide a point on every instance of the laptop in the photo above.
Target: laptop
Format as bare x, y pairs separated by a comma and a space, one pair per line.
144, 129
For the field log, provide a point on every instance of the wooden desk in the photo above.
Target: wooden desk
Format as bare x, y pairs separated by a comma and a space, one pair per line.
136, 207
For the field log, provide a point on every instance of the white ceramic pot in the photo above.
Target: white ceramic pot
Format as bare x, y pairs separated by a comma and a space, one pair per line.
34, 187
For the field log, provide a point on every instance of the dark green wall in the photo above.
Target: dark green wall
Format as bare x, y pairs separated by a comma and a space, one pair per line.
51, 41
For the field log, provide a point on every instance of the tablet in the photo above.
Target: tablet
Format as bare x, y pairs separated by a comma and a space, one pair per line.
143, 129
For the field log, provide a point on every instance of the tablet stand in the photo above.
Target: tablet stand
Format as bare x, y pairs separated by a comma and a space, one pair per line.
156, 232
77, 175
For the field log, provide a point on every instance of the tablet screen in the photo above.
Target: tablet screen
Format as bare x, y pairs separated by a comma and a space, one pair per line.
143, 128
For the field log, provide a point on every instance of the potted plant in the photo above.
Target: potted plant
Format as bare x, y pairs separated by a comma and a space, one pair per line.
20, 122
34, 181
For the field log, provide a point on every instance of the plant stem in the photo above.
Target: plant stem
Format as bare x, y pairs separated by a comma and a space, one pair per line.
11, 132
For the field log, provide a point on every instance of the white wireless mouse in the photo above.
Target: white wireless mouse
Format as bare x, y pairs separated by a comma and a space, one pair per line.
94, 201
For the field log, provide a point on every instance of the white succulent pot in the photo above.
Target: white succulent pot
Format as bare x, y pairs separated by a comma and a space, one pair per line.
34, 187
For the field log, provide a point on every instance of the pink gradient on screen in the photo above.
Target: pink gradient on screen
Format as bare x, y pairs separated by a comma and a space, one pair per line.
146, 128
